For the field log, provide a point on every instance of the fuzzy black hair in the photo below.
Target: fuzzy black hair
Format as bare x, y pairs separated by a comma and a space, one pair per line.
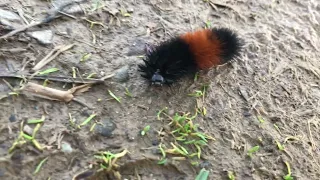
230, 43
172, 59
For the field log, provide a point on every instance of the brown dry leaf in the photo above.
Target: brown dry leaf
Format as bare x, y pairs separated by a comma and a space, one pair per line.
77, 90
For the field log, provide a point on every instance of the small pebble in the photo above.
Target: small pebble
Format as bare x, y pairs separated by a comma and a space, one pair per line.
2, 172
106, 128
122, 74
246, 114
131, 139
73, 9
205, 164
171, 112
17, 157
130, 10
136, 48
27, 129
3, 87
8, 15
155, 142
130, 136
66, 147
7, 24
12, 118
86, 112
156, 151
43, 37
9, 20
85, 175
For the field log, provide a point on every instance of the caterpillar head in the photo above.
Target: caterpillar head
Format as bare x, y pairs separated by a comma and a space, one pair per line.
168, 62
157, 79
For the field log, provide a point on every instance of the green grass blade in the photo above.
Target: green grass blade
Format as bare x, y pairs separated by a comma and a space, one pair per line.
88, 120
85, 57
203, 175
114, 96
48, 71
40, 165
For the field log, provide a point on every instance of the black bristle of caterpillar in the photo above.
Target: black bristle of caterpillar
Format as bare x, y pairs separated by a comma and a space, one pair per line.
168, 62
230, 43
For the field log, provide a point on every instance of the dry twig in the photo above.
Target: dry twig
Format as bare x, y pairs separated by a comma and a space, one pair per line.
56, 78
48, 93
53, 54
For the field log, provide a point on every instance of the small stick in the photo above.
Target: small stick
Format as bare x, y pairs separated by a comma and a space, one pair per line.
50, 57
66, 14
143, 107
13, 50
107, 77
20, 30
8, 84
311, 138
59, 78
82, 103
48, 93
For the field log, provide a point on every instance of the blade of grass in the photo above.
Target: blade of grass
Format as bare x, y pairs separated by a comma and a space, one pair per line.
145, 130
114, 96
162, 151
85, 57
74, 72
231, 175
288, 176
261, 120
48, 71
253, 150
162, 161
91, 75
161, 111
128, 93
280, 146
27, 137
40, 165
93, 126
36, 121
37, 144
203, 175
88, 119
45, 83
36, 129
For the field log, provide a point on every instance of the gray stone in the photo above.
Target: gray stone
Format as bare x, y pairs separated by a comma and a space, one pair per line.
2, 172
66, 147
130, 10
106, 128
4, 14
28, 130
73, 9
122, 74
7, 23
12, 118
43, 37
9, 20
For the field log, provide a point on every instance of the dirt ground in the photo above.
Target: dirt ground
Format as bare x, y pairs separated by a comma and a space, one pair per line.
268, 98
